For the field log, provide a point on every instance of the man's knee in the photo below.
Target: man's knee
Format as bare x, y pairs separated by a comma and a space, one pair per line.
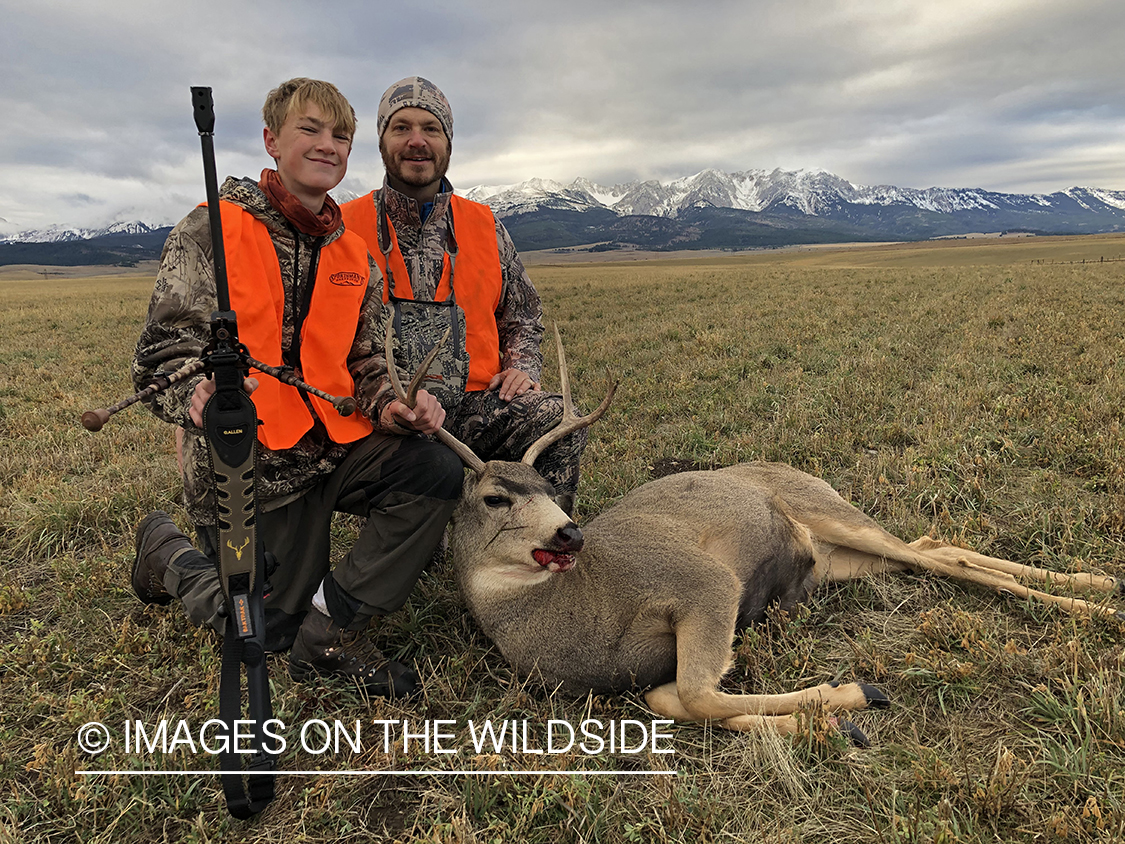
546, 414
545, 406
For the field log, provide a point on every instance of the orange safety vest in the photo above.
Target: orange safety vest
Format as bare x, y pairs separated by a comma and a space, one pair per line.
258, 297
478, 278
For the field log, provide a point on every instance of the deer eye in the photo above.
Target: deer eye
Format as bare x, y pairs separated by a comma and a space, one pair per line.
496, 501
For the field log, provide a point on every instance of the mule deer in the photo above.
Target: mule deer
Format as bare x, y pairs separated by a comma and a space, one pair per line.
652, 591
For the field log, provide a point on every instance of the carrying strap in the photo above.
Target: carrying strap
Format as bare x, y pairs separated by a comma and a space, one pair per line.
230, 423
249, 795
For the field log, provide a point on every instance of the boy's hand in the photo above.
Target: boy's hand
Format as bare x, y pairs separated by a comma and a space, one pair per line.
426, 417
204, 390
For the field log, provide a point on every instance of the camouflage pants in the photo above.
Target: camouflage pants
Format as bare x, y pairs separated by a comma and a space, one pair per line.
404, 487
498, 430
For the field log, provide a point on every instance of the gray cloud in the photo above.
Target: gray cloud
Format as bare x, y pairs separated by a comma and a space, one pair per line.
1010, 95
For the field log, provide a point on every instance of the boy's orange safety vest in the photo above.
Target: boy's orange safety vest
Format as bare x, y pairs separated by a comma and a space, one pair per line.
257, 295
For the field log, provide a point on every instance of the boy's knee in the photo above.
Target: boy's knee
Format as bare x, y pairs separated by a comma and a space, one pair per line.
437, 472
447, 471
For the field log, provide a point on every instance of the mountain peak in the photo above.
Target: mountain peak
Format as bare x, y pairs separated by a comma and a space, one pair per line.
57, 233
812, 192
740, 209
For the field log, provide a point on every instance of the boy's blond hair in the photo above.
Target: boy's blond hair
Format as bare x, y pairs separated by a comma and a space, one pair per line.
292, 95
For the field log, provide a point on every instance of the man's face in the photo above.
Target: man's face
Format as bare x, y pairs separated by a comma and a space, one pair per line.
415, 149
311, 155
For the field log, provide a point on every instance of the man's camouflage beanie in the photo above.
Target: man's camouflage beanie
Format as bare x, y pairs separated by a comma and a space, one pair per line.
415, 92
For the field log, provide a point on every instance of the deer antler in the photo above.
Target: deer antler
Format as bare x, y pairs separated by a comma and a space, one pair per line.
410, 396
570, 422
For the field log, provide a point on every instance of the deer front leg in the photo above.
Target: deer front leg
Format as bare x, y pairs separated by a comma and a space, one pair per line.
703, 654
789, 725
666, 700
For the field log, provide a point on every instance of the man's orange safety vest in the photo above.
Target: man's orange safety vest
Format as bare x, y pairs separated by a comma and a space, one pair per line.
258, 297
477, 275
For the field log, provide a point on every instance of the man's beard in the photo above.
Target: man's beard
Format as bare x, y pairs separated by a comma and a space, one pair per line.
397, 170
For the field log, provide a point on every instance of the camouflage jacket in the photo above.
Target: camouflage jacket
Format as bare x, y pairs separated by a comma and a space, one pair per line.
177, 330
519, 317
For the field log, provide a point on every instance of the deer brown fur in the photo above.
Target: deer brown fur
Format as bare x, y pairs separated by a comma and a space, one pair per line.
651, 592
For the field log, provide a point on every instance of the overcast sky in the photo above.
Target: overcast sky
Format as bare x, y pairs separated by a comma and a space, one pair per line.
1009, 95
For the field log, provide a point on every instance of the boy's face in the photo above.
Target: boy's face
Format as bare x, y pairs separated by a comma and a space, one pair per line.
311, 155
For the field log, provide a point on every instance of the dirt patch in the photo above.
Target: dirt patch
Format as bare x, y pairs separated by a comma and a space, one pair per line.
673, 466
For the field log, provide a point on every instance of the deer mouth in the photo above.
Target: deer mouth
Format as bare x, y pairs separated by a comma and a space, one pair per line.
553, 560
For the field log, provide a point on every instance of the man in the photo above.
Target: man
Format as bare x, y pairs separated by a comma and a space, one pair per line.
308, 297
449, 262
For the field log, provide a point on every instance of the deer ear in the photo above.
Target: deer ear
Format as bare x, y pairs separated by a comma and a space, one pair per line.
565, 500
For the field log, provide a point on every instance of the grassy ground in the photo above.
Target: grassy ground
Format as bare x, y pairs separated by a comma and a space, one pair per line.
977, 401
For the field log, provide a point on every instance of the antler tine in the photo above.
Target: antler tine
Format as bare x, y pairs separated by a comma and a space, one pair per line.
570, 422
410, 396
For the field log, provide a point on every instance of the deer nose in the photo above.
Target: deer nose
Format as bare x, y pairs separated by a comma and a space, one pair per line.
569, 538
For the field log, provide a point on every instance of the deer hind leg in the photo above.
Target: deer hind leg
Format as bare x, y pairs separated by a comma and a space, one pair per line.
843, 563
845, 553
1078, 582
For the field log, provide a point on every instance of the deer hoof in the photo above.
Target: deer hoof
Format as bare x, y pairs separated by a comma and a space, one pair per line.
875, 697
857, 736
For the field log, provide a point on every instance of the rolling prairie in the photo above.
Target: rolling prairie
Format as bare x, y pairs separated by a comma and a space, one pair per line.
970, 390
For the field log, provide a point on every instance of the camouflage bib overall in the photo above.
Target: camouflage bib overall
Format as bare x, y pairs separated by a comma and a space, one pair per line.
419, 324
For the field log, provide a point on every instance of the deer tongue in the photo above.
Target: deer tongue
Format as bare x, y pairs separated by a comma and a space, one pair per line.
553, 560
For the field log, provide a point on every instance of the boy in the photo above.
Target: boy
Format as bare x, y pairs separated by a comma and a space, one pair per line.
307, 296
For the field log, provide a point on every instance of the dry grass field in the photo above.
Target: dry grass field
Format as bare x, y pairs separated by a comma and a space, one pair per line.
974, 391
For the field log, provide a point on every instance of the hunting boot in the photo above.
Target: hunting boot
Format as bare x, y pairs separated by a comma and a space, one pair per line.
323, 647
159, 543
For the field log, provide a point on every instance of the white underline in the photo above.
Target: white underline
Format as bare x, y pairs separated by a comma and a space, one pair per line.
276, 773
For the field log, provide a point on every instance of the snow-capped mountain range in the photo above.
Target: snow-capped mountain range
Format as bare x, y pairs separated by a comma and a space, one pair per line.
810, 192
760, 208
713, 209
63, 234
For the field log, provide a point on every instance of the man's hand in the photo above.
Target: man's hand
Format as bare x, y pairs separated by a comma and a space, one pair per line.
426, 417
204, 390
512, 383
